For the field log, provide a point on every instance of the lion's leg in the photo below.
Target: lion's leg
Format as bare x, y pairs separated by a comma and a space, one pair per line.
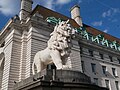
39, 66
33, 69
38, 62
55, 55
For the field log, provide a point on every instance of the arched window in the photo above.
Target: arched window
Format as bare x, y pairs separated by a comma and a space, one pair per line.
2, 60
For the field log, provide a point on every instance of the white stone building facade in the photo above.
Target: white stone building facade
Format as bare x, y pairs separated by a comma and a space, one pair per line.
101, 64
26, 34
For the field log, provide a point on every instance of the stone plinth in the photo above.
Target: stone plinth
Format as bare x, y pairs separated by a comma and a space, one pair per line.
57, 80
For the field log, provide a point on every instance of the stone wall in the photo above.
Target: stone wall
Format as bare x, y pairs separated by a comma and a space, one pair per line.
65, 80
12, 59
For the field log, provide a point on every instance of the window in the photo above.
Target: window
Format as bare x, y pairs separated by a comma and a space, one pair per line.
104, 69
81, 51
118, 60
96, 81
107, 83
93, 67
3, 44
2, 60
117, 85
91, 53
114, 72
110, 58
83, 66
101, 55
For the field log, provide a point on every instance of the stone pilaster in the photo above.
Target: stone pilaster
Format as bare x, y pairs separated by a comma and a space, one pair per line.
23, 55
12, 59
75, 56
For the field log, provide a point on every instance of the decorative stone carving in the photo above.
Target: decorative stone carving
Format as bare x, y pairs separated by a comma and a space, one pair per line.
58, 49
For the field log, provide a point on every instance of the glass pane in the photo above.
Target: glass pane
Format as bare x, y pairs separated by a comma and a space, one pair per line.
113, 71
83, 66
104, 69
101, 56
91, 53
107, 83
96, 81
110, 58
117, 85
93, 67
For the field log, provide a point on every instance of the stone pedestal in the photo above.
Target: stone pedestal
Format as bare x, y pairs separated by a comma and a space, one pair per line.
57, 80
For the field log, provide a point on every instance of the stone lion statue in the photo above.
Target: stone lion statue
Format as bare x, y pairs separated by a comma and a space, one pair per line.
58, 49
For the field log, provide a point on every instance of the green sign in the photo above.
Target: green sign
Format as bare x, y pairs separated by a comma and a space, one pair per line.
53, 20
82, 31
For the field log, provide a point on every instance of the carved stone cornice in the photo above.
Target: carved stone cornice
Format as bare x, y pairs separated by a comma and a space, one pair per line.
8, 28
16, 26
40, 23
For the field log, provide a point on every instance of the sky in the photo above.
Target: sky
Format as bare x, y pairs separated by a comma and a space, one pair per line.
103, 15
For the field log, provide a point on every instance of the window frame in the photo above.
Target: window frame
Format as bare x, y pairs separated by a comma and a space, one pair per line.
117, 85
107, 83
114, 72
93, 66
95, 81
104, 70
101, 56
83, 66
111, 59
91, 53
